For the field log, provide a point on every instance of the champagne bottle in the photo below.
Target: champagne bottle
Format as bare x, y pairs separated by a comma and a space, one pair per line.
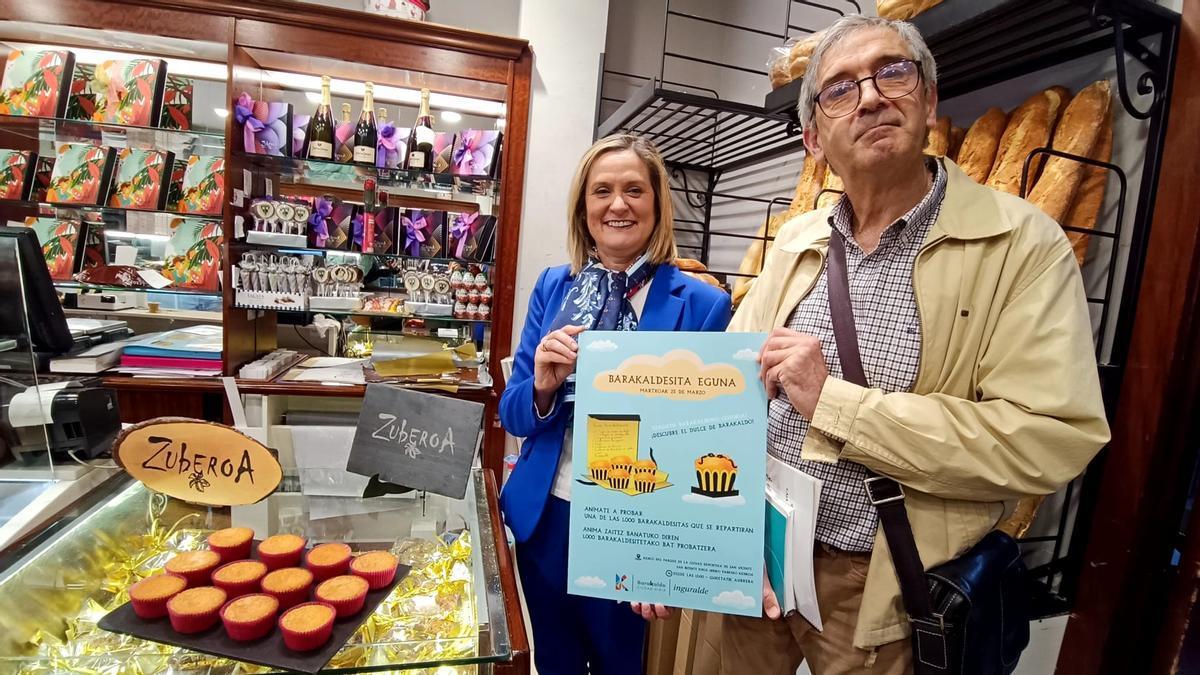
382, 116
420, 141
345, 137
320, 127
365, 134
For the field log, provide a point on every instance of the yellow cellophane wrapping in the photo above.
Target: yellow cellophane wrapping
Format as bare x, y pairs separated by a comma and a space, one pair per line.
429, 617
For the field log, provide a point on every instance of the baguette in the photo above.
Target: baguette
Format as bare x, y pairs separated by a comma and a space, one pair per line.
1090, 195
957, 134
978, 151
896, 9
833, 183
1029, 127
809, 184
1076, 134
756, 255
937, 141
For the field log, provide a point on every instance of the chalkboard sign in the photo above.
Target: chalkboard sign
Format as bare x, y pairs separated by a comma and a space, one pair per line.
418, 440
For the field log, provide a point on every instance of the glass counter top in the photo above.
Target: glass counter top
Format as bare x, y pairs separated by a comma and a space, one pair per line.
448, 610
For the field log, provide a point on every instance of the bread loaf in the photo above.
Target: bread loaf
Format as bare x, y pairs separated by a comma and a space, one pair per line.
756, 255
937, 143
809, 184
690, 265
903, 9
978, 151
1075, 134
957, 134
1090, 195
800, 53
832, 190
1029, 127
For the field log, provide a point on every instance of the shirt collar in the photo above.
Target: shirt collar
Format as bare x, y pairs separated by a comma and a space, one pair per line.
841, 218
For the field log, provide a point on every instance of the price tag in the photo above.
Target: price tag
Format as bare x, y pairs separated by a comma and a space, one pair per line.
247, 181
447, 332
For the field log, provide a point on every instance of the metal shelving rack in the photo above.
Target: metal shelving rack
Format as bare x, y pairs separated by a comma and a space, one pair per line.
977, 43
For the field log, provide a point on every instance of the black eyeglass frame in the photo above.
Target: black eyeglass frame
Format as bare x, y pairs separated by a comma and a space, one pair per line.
874, 83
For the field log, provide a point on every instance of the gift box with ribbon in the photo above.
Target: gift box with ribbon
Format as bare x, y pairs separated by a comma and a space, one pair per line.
474, 153
265, 126
424, 233
331, 223
468, 235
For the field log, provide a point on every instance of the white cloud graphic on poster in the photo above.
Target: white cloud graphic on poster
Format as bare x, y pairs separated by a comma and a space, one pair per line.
602, 346
589, 582
746, 355
733, 600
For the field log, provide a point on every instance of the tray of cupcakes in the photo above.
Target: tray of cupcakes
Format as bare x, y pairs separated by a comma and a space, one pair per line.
275, 602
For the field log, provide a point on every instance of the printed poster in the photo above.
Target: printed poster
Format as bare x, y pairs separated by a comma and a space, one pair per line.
669, 462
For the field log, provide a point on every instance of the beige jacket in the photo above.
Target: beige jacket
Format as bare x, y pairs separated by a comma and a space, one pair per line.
1007, 398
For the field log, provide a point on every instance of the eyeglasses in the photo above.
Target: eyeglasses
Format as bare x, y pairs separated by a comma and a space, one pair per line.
892, 81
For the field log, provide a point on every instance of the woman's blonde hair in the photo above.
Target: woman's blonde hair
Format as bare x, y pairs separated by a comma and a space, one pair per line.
662, 240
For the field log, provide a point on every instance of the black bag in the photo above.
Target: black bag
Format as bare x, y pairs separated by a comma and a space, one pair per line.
969, 616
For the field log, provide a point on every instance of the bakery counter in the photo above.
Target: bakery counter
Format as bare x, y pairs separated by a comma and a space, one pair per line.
455, 611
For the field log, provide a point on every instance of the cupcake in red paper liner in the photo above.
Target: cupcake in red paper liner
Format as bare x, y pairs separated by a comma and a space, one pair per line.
715, 475
232, 543
307, 627
250, 616
346, 594
196, 609
328, 560
289, 585
196, 567
281, 550
618, 479
377, 567
240, 577
150, 595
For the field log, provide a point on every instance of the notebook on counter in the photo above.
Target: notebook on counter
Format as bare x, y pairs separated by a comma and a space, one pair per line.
192, 342
89, 361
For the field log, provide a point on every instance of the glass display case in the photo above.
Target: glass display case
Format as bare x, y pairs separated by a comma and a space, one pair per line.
448, 615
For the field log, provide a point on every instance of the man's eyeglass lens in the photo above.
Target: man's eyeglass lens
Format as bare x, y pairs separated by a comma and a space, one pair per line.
891, 81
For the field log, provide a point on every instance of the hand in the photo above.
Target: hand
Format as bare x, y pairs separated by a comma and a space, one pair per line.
650, 611
769, 603
793, 361
553, 360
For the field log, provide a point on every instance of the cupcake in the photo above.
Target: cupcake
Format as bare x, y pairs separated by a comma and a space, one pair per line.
645, 468
195, 609
307, 627
150, 595
622, 462
328, 560
250, 616
377, 567
618, 479
715, 475
196, 567
239, 577
346, 593
289, 585
599, 469
232, 543
281, 550
647, 483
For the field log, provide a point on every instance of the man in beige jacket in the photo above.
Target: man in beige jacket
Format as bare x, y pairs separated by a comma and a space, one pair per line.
975, 339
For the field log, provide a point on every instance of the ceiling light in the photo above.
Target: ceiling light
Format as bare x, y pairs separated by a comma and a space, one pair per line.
221, 112
450, 116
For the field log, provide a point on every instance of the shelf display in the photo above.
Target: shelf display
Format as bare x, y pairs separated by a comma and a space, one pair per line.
203, 186
17, 169
81, 174
140, 181
177, 103
474, 152
33, 82
265, 127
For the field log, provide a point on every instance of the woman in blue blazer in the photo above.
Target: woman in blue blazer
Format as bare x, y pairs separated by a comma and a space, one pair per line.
621, 277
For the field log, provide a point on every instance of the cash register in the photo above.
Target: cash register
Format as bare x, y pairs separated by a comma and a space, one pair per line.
76, 419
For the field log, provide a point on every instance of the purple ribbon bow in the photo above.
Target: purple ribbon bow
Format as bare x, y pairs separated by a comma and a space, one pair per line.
263, 128
320, 221
386, 152
414, 234
461, 229
473, 155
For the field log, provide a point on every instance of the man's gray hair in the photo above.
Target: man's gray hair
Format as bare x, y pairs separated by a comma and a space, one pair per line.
844, 28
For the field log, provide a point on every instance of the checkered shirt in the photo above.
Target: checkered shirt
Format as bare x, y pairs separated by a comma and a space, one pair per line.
889, 338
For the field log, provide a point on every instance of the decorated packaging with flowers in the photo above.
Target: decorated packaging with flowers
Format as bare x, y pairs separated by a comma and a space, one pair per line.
265, 126
177, 103
36, 82
193, 254
468, 235
81, 175
443, 149
389, 150
300, 135
474, 153
141, 178
424, 233
16, 173
60, 239
129, 91
331, 223
81, 101
203, 186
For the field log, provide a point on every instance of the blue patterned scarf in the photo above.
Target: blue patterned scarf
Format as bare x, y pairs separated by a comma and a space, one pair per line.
599, 300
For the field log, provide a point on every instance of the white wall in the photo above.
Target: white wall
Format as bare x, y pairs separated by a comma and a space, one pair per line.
567, 37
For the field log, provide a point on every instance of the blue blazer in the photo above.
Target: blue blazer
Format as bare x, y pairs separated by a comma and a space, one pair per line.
676, 302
